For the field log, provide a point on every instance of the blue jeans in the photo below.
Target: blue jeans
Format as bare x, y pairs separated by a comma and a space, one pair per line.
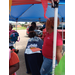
46, 67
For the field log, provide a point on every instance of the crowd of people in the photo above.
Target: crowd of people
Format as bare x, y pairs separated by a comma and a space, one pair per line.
39, 50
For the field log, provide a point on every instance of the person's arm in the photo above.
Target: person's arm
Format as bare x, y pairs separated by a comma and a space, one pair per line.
58, 53
13, 68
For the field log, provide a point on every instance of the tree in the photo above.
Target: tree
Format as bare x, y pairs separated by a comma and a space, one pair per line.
25, 22
22, 25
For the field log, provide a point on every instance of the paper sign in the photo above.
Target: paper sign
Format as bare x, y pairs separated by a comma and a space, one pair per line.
35, 49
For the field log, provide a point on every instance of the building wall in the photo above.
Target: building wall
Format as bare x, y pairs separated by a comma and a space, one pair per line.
18, 26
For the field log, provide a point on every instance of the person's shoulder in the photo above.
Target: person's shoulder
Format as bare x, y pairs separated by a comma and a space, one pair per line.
12, 31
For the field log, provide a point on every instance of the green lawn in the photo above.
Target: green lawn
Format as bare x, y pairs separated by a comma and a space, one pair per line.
19, 28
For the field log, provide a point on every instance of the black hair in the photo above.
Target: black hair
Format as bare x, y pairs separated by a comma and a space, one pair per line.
33, 23
11, 25
32, 34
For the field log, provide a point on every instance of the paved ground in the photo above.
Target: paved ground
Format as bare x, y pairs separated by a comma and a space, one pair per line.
21, 46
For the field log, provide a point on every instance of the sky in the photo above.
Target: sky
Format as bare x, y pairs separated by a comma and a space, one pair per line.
15, 22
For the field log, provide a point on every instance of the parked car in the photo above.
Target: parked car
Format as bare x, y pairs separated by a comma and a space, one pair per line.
38, 31
27, 32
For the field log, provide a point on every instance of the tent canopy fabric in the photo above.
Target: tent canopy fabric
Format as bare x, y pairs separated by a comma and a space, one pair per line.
22, 2
22, 10
30, 12
33, 12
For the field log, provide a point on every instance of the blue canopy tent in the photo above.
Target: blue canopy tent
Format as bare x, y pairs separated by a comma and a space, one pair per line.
34, 12
31, 12
61, 13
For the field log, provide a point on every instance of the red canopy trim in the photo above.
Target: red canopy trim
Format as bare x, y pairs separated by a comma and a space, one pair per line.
22, 2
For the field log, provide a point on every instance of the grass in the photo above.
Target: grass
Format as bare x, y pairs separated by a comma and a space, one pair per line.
19, 28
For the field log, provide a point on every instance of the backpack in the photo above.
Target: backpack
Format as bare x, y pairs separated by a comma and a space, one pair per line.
14, 37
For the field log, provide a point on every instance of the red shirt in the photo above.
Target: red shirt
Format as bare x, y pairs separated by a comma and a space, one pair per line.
47, 49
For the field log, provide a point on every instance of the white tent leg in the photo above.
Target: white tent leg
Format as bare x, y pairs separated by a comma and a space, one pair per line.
16, 30
16, 25
55, 37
